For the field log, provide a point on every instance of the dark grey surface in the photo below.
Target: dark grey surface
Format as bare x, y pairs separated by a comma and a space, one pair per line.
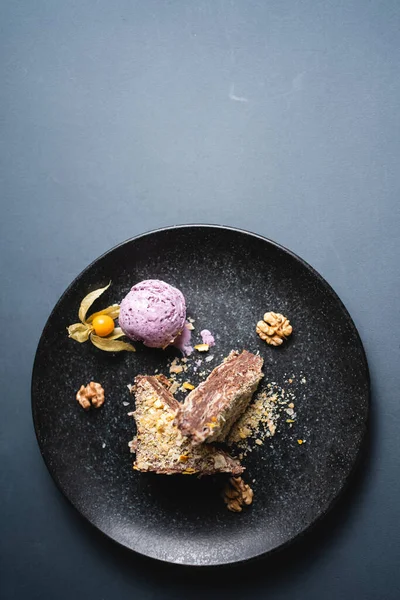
122, 117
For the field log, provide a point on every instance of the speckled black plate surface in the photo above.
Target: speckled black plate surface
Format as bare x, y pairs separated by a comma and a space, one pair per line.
229, 278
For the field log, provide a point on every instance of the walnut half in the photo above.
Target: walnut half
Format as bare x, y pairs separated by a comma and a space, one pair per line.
274, 329
237, 494
91, 395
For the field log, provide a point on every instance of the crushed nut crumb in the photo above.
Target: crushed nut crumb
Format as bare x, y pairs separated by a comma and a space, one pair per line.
132, 445
174, 387
188, 386
260, 419
202, 347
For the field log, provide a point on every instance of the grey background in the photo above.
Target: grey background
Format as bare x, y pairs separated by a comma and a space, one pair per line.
120, 117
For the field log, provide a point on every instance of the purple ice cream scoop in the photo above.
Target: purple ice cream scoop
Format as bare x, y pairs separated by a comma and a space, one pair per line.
153, 312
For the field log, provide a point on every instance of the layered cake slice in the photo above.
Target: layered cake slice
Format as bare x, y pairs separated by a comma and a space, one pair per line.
211, 409
160, 446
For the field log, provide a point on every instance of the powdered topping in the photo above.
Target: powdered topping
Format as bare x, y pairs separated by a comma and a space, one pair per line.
259, 422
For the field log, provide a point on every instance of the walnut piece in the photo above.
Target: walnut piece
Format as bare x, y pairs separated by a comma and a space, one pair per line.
91, 395
237, 493
274, 329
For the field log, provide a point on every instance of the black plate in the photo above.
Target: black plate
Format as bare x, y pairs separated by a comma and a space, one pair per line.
229, 278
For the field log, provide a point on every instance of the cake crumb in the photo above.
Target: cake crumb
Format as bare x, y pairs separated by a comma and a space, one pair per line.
202, 347
188, 386
261, 418
174, 387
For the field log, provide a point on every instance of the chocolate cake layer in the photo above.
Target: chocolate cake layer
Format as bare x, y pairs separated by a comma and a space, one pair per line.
160, 446
211, 409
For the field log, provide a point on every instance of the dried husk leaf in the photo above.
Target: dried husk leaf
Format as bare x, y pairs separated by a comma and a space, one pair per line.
112, 311
117, 333
88, 301
79, 332
110, 345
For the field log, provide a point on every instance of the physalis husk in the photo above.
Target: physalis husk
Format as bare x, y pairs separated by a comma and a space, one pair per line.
83, 331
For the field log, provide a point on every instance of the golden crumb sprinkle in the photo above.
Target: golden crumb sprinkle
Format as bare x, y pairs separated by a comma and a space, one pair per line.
188, 386
202, 347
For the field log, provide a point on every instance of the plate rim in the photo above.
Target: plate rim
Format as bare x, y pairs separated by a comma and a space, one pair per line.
361, 446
